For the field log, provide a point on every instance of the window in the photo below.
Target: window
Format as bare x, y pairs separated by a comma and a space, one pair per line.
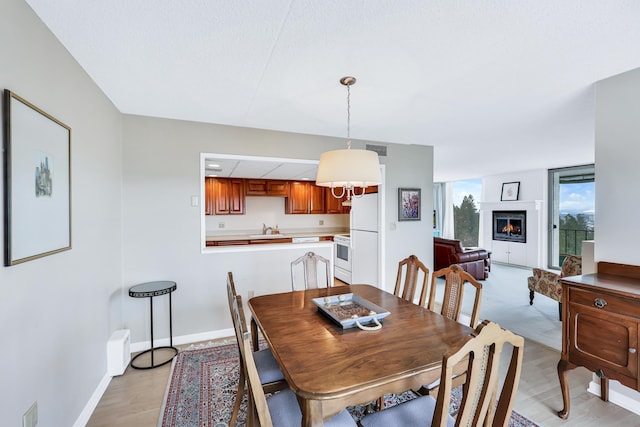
571, 211
466, 217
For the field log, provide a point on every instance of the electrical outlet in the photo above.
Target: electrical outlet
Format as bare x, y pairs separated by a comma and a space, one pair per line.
221, 225
250, 294
321, 222
30, 418
393, 226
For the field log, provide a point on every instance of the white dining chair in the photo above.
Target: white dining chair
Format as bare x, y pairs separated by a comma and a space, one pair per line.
309, 262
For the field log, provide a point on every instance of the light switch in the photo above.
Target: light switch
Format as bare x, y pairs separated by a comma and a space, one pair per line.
392, 226
194, 201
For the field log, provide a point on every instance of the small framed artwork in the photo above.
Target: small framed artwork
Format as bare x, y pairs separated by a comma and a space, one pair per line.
510, 191
37, 182
408, 204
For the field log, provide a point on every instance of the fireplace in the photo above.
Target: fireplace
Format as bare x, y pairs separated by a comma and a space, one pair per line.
510, 226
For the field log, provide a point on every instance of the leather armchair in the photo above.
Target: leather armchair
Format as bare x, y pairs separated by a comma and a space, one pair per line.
475, 261
548, 283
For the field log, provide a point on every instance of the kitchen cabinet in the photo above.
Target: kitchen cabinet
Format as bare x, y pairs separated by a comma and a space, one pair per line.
266, 187
601, 314
224, 196
316, 199
305, 198
333, 205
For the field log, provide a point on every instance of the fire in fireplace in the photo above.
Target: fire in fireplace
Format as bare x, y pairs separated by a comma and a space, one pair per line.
510, 226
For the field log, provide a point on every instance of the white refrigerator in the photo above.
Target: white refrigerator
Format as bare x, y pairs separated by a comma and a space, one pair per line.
364, 240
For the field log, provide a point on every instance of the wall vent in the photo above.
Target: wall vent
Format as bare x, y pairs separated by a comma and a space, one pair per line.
380, 149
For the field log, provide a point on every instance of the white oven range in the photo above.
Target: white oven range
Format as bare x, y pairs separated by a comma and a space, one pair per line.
342, 258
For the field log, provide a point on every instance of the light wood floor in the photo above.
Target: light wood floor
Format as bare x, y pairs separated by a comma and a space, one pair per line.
135, 398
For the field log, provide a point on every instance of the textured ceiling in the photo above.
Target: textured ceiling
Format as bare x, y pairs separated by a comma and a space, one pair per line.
494, 86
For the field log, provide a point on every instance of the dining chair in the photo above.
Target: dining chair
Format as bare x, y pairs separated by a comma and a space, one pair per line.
409, 269
455, 278
271, 377
480, 354
310, 263
280, 409
406, 287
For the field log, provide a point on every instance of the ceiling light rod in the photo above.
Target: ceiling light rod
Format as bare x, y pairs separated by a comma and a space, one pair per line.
348, 81
348, 168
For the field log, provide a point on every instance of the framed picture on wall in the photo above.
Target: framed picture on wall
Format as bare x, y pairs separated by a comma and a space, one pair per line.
37, 182
510, 191
408, 204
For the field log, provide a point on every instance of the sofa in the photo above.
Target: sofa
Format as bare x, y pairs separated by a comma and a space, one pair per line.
475, 261
548, 283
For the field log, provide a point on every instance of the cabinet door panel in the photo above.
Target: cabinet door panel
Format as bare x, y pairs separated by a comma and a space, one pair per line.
209, 196
256, 187
221, 204
602, 340
333, 205
298, 200
277, 188
316, 199
236, 196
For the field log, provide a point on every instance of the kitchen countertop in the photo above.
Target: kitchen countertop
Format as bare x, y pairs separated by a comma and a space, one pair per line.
285, 235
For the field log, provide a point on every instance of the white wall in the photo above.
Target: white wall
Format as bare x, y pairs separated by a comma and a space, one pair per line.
617, 171
57, 312
161, 237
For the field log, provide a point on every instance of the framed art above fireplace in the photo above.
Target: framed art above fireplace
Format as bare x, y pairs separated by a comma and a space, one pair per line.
510, 191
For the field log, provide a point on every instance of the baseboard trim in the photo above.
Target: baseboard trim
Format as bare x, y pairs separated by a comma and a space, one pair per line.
618, 395
92, 404
184, 339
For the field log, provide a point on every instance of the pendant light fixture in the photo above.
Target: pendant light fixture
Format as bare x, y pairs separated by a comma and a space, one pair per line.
350, 168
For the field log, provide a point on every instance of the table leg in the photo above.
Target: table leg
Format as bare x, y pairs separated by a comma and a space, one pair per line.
311, 412
151, 322
170, 324
563, 367
254, 335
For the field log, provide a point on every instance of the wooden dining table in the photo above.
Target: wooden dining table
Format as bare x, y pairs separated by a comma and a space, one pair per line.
330, 368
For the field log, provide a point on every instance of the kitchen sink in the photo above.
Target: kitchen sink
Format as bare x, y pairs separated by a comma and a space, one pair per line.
267, 236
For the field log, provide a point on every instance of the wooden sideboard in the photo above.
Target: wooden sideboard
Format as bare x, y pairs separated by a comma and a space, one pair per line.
601, 315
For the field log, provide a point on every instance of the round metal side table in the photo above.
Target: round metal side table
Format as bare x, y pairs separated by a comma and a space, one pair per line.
150, 290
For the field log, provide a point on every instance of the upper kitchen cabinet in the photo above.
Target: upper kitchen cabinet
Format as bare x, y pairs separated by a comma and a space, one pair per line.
224, 196
333, 205
266, 187
305, 198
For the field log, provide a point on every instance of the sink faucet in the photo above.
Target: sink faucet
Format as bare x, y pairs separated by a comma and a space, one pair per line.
266, 230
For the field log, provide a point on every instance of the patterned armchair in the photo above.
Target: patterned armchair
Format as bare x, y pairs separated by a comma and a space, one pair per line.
547, 283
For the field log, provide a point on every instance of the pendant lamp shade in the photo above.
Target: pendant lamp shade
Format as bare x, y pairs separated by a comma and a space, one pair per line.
348, 168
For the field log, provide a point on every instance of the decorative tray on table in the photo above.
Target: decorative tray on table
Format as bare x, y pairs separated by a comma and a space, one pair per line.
350, 310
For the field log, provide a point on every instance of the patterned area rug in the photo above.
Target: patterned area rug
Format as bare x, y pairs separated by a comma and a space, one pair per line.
203, 383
